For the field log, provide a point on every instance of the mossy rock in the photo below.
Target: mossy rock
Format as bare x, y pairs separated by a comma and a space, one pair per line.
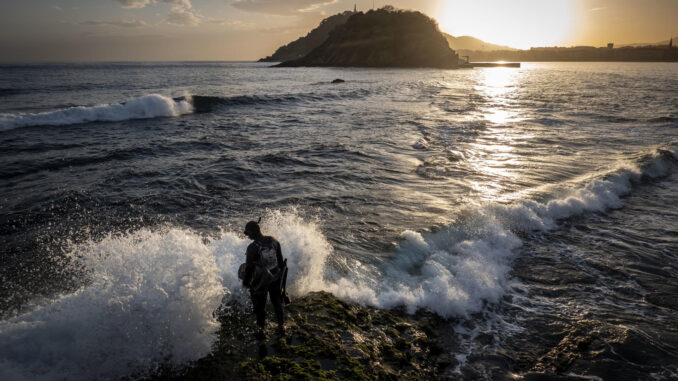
326, 339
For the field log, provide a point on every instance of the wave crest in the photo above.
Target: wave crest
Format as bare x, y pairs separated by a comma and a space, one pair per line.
457, 270
148, 106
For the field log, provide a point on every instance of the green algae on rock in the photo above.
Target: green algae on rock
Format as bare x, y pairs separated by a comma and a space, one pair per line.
326, 339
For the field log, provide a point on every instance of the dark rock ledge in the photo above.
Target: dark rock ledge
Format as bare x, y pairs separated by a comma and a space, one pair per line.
325, 339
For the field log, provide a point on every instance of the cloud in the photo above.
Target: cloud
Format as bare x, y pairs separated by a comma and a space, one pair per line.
179, 3
597, 9
281, 7
56, 7
176, 4
120, 23
234, 24
133, 3
179, 16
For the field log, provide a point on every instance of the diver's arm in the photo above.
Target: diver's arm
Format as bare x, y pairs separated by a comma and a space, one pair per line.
250, 263
278, 254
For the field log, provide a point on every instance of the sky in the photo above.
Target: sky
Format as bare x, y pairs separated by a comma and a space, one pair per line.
196, 30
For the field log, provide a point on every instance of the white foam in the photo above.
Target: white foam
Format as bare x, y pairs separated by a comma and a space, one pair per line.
149, 301
457, 270
148, 106
302, 244
151, 294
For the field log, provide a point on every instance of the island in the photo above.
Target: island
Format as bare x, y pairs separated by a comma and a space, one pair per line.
386, 37
302, 46
394, 38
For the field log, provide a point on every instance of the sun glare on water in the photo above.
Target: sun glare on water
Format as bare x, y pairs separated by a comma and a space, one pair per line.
517, 23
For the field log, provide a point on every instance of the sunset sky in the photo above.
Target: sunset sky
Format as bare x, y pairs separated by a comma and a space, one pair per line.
138, 30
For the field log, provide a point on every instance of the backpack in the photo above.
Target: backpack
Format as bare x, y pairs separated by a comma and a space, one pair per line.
266, 270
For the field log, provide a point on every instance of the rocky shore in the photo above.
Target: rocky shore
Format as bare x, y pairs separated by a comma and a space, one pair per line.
325, 339
329, 339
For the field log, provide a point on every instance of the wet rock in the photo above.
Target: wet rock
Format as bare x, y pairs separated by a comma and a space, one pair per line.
338, 80
326, 338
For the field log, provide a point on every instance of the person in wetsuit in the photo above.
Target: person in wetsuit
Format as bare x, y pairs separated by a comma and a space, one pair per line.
263, 268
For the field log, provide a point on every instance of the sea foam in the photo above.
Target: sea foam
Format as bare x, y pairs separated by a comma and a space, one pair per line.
148, 300
150, 296
148, 106
458, 269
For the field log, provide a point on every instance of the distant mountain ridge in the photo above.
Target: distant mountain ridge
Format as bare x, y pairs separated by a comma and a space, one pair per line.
472, 43
638, 44
383, 38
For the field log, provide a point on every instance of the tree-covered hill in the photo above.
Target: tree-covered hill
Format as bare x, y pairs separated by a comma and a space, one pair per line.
383, 38
303, 45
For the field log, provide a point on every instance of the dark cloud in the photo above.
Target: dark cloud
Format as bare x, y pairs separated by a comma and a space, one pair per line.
143, 3
133, 3
281, 7
120, 23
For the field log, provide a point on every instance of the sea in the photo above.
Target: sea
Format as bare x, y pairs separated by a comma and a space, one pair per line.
533, 208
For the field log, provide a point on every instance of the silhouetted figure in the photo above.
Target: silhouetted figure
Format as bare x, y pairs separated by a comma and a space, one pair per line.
263, 269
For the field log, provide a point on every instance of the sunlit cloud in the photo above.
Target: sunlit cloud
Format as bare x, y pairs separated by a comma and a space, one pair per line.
281, 7
183, 17
597, 9
119, 23
234, 24
179, 13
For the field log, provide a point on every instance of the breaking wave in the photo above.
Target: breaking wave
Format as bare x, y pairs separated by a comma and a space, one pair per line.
148, 301
205, 103
149, 297
148, 106
456, 270
155, 106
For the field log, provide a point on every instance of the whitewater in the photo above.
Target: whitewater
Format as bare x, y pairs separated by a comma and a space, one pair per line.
437, 190
148, 106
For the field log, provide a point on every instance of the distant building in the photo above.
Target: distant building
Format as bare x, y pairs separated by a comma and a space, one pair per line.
610, 45
671, 43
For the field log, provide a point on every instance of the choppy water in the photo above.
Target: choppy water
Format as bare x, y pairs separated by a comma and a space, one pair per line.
530, 204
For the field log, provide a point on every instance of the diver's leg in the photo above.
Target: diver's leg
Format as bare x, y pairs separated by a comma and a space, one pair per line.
259, 303
274, 291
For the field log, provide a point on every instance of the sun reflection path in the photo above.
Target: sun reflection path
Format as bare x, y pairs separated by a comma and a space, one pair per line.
494, 155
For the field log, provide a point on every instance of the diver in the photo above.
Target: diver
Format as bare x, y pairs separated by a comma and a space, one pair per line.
264, 274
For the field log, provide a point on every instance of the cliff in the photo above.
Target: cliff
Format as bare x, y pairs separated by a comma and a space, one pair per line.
383, 38
303, 45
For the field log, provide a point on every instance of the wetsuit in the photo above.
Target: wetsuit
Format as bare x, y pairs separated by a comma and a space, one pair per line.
264, 254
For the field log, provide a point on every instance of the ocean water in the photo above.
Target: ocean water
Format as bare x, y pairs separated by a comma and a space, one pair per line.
531, 206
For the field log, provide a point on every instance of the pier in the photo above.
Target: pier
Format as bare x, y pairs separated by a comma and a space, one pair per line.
464, 63
489, 64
